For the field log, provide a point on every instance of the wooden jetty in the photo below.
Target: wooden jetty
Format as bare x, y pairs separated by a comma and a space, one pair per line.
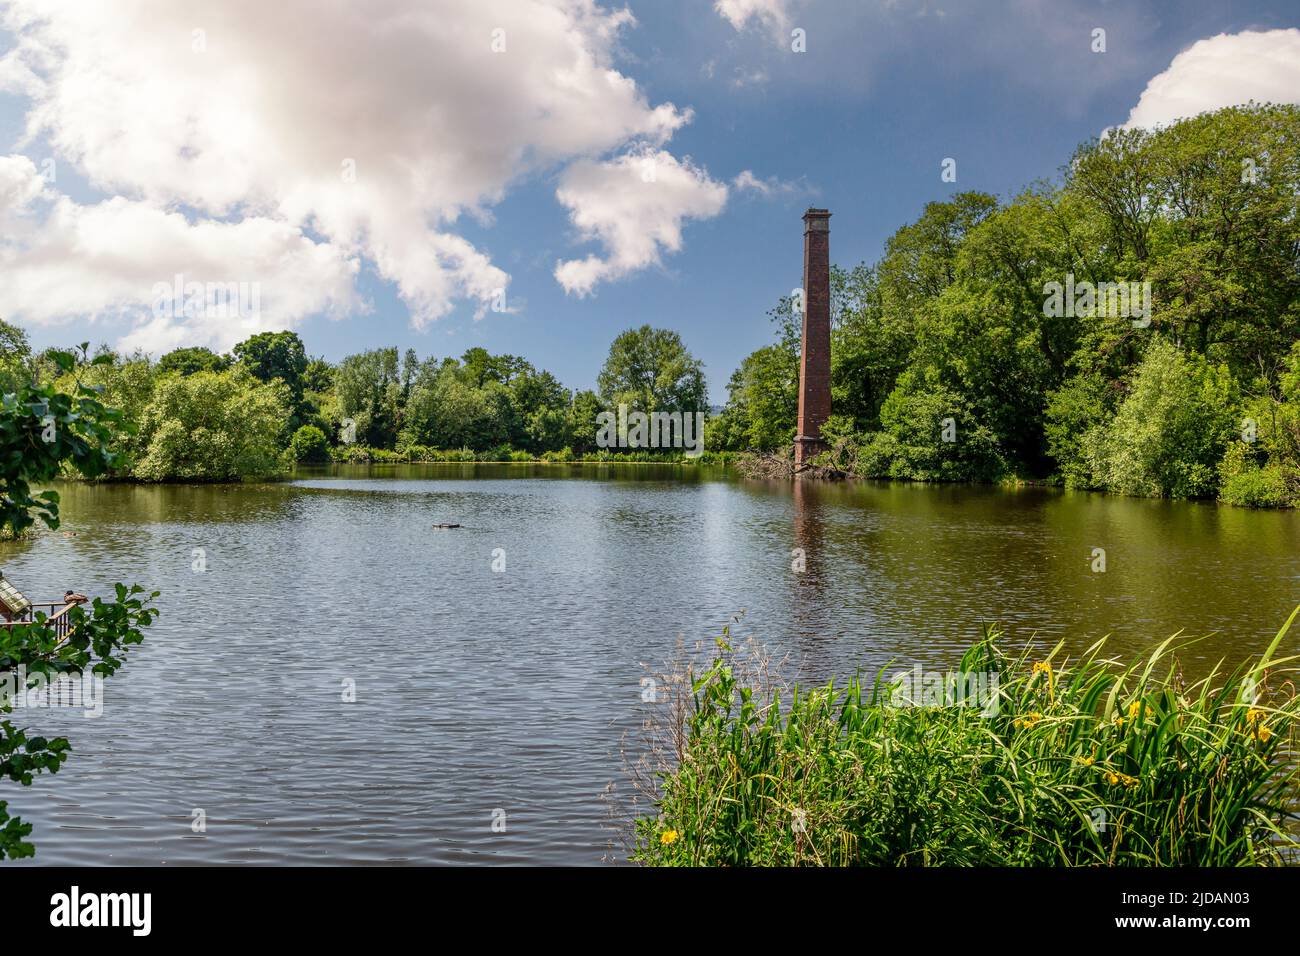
16, 609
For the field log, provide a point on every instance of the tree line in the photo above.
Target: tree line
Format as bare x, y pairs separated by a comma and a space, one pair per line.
952, 360
198, 415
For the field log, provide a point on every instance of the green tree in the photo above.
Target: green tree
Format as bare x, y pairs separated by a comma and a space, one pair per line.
214, 426
318, 376
651, 370
1171, 431
187, 361
930, 433
126, 384
309, 445
447, 410
581, 422
762, 403
276, 355
15, 358
370, 393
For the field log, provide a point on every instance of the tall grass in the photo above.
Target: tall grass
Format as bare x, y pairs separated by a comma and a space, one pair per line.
1079, 762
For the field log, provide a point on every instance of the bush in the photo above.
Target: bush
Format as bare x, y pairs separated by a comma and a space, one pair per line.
1067, 763
917, 420
1171, 431
1073, 410
1244, 482
213, 426
309, 445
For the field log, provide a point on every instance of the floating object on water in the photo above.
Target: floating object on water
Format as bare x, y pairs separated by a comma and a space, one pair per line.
446, 526
69, 534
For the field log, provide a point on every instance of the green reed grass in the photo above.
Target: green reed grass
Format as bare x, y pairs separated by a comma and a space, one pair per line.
1083, 763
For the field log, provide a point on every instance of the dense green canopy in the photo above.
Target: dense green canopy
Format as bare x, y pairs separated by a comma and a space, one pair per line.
957, 321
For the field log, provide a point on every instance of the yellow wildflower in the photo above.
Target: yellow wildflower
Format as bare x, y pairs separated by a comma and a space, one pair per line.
1028, 720
1112, 777
1255, 726
1043, 667
668, 836
1087, 761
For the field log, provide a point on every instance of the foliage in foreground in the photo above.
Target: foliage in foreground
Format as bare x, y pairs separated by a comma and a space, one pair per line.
42, 430
1083, 763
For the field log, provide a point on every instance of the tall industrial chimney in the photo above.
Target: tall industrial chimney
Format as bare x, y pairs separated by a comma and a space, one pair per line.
815, 360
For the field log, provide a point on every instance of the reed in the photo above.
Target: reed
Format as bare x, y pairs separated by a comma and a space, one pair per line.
1075, 762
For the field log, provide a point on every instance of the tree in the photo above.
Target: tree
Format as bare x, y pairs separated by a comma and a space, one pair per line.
930, 433
539, 406
581, 421
187, 361
482, 367
651, 370
214, 426
309, 445
276, 355
1170, 433
42, 431
369, 393
15, 357
125, 384
448, 410
763, 402
318, 376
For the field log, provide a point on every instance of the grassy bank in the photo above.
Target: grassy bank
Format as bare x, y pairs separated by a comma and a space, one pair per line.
1081, 762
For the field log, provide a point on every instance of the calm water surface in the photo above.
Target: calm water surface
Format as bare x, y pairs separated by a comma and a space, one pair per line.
479, 690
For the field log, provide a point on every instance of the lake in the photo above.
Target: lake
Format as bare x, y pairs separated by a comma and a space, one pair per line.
479, 690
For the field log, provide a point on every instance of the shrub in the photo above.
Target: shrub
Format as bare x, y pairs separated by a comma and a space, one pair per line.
917, 420
309, 445
1073, 410
1245, 482
213, 426
1074, 763
1171, 431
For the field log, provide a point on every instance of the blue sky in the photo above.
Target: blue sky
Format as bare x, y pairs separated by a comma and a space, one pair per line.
860, 124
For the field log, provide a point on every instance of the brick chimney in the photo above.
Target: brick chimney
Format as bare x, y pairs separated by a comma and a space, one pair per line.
815, 360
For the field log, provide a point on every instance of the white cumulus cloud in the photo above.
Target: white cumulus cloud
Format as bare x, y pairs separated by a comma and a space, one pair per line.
634, 206
63, 259
293, 142
772, 14
1223, 70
